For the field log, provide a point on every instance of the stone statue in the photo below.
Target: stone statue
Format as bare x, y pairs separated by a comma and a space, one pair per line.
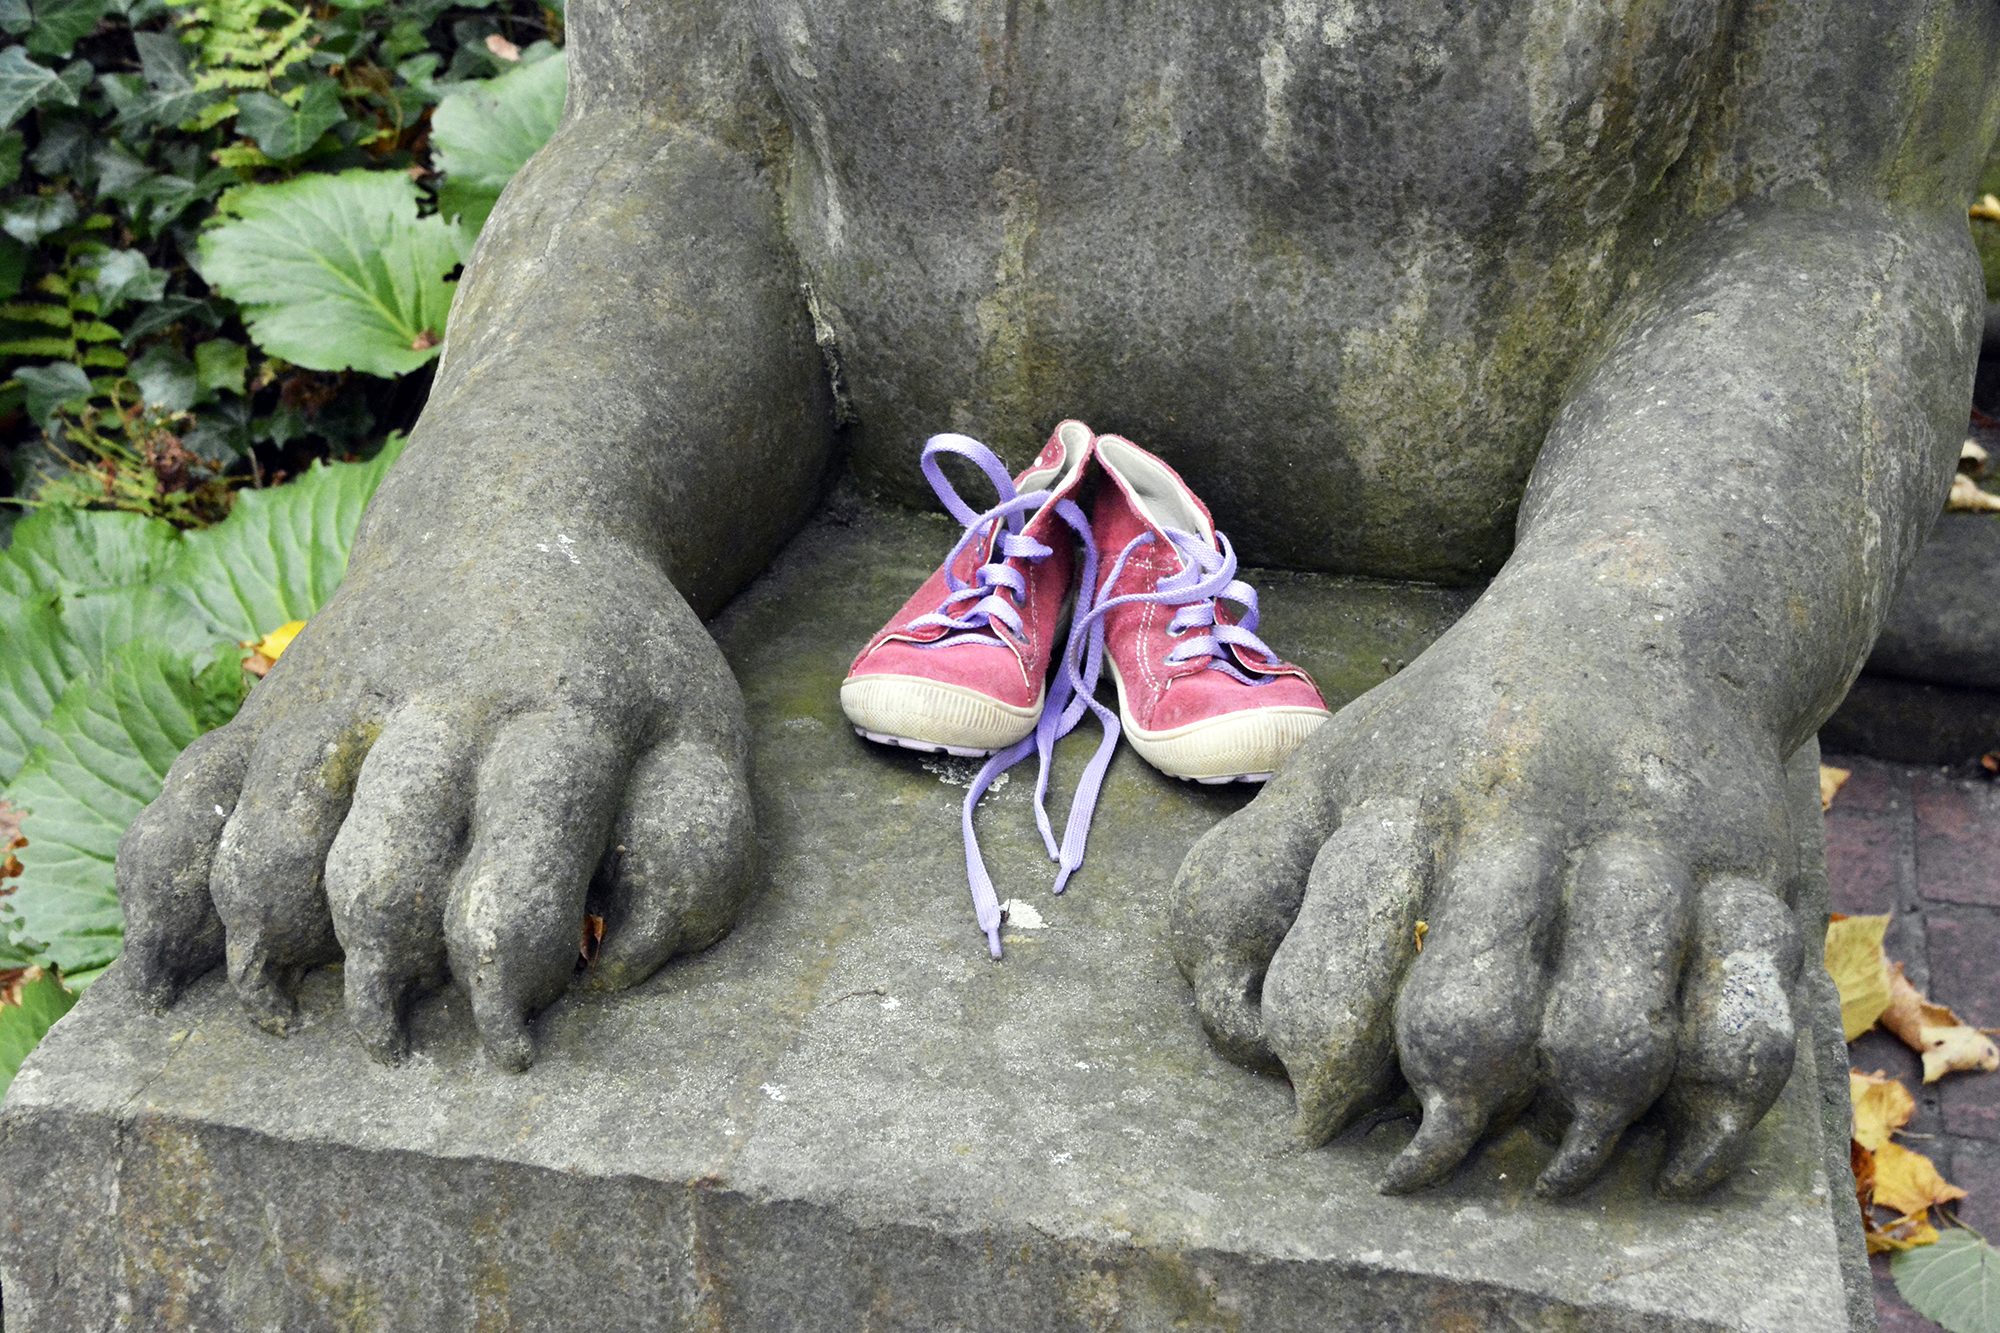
1659, 314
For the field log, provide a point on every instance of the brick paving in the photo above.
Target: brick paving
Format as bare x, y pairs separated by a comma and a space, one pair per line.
1924, 844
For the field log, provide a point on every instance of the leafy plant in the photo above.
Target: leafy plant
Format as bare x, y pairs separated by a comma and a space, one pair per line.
132, 131
1955, 1281
27, 1016
336, 272
128, 634
487, 130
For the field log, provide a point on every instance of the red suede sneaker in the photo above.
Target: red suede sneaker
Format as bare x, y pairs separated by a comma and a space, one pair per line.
1199, 694
963, 666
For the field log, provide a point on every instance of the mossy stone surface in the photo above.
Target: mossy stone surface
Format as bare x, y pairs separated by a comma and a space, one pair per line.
845, 1115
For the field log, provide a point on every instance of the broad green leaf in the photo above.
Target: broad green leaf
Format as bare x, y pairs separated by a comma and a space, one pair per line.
467, 203
60, 24
285, 132
335, 272
103, 755
67, 551
22, 1025
99, 623
74, 586
1955, 1282
22, 84
486, 129
280, 553
37, 663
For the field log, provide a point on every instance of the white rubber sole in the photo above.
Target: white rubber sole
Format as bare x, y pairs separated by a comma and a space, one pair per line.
1236, 747
928, 715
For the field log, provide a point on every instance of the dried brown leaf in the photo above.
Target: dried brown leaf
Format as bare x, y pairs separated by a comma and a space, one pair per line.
1947, 1042
1905, 1233
1831, 780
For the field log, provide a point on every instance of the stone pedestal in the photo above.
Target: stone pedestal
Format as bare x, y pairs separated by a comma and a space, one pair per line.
846, 1117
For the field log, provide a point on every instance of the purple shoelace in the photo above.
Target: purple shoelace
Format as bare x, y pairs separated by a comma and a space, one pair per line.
1206, 575
971, 608
973, 624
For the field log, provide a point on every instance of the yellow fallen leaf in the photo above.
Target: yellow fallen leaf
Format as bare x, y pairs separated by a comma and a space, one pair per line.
505, 49
1909, 1182
1947, 1043
264, 652
1881, 1105
1423, 929
1986, 210
1831, 780
1966, 496
273, 645
1861, 971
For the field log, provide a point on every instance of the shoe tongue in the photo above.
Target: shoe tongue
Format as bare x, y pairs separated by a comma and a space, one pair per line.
1062, 458
1160, 496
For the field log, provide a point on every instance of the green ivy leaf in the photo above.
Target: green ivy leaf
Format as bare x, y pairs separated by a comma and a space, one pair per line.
28, 220
60, 24
1955, 1282
286, 132
23, 83
103, 756
485, 130
220, 367
124, 275
51, 387
335, 272
280, 553
166, 379
43, 1001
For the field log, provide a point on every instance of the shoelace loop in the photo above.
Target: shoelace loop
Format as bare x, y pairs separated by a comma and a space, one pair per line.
973, 623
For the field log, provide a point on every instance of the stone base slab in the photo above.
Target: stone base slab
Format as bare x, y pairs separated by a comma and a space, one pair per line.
846, 1117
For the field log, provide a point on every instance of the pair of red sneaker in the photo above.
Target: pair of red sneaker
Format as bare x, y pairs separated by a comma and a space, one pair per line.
964, 666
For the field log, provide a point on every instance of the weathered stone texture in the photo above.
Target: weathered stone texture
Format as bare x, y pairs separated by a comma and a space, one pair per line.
844, 1116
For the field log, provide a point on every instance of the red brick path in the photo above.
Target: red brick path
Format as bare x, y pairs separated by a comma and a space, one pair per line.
1925, 846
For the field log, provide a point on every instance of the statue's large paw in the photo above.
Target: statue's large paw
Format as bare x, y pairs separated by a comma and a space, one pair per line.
454, 814
1469, 905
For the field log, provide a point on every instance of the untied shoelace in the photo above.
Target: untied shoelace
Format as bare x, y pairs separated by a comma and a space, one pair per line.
1206, 574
